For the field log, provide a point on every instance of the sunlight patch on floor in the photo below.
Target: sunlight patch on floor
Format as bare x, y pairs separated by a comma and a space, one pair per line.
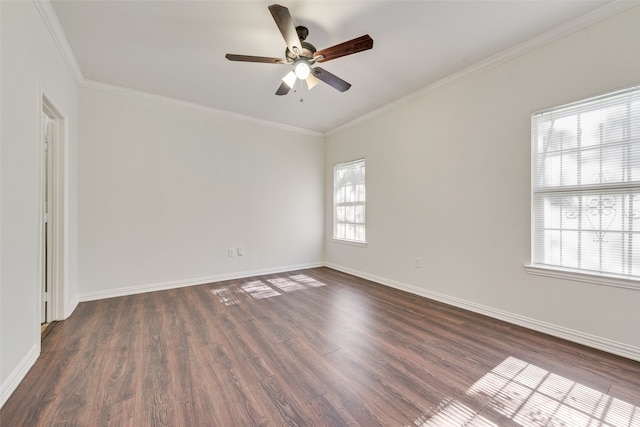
532, 396
234, 294
307, 281
259, 290
286, 285
451, 413
227, 295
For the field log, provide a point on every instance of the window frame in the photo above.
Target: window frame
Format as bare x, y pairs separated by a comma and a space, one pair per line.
336, 203
535, 267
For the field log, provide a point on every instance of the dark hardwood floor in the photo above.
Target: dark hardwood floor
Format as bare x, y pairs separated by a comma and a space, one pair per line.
313, 347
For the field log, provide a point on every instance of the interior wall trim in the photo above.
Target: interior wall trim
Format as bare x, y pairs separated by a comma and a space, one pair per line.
558, 331
139, 289
530, 45
53, 24
57, 33
70, 308
105, 87
13, 380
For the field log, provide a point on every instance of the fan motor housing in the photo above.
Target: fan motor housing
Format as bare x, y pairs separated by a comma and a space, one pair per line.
307, 48
303, 32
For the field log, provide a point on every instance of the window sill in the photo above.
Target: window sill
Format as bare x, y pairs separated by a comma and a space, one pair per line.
350, 242
594, 278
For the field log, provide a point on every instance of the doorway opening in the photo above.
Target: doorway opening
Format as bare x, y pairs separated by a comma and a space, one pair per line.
51, 288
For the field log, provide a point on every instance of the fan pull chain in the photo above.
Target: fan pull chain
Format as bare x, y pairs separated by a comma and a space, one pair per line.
295, 88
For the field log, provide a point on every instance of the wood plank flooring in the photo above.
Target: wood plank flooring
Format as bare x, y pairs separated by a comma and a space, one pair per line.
312, 347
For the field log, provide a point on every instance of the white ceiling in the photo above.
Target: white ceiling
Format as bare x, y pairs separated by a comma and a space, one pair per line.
176, 48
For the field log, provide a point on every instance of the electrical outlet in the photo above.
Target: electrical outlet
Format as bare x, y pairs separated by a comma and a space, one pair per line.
231, 252
240, 251
417, 263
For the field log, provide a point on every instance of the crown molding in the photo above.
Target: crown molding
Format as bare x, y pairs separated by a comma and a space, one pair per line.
105, 87
45, 8
57, 33
55, 29
600, 14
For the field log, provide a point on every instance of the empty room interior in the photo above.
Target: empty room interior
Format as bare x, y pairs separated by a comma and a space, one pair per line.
320, 213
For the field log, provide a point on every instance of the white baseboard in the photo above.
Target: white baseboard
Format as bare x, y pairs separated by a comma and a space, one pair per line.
132, 290
18, 374
613, 347
68, 309
593, 341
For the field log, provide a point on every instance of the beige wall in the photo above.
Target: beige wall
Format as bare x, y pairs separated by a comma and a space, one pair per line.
165, 190
31, 65
155, 193
448, 181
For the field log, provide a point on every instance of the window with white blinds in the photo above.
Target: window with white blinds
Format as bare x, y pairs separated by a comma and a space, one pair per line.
349, 197
586, 185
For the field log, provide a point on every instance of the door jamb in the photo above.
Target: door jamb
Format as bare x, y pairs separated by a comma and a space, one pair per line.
57, 214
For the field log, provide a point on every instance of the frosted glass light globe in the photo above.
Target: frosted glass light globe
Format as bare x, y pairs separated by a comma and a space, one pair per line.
302, 70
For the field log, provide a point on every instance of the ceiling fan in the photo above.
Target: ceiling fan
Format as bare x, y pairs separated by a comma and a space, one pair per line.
303, 56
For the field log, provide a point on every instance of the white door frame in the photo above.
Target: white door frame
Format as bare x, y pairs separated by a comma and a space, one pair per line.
56, 221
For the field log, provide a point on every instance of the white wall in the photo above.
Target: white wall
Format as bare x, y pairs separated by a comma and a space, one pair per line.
166, 189
448, 180
162, 191
30, 64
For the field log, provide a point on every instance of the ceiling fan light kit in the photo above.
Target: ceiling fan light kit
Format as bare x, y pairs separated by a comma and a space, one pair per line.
290, 79
302, 69
303, 56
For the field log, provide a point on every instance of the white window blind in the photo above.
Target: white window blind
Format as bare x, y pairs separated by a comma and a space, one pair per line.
349, 197
586, 185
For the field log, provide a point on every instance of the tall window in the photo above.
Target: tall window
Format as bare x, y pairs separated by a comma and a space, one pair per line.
349, 201
586, 185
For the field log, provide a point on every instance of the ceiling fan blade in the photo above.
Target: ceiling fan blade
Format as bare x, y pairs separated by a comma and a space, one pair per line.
249, 58
343, 49
284, 22
330, 79
283, 89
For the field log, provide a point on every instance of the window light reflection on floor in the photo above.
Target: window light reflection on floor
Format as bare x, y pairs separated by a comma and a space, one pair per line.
307, 281
259, 290
532, 396
286, 285
234, 294
452, 413
227, 295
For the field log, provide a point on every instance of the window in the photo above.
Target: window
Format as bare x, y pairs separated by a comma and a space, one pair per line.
349, 201
586, 186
